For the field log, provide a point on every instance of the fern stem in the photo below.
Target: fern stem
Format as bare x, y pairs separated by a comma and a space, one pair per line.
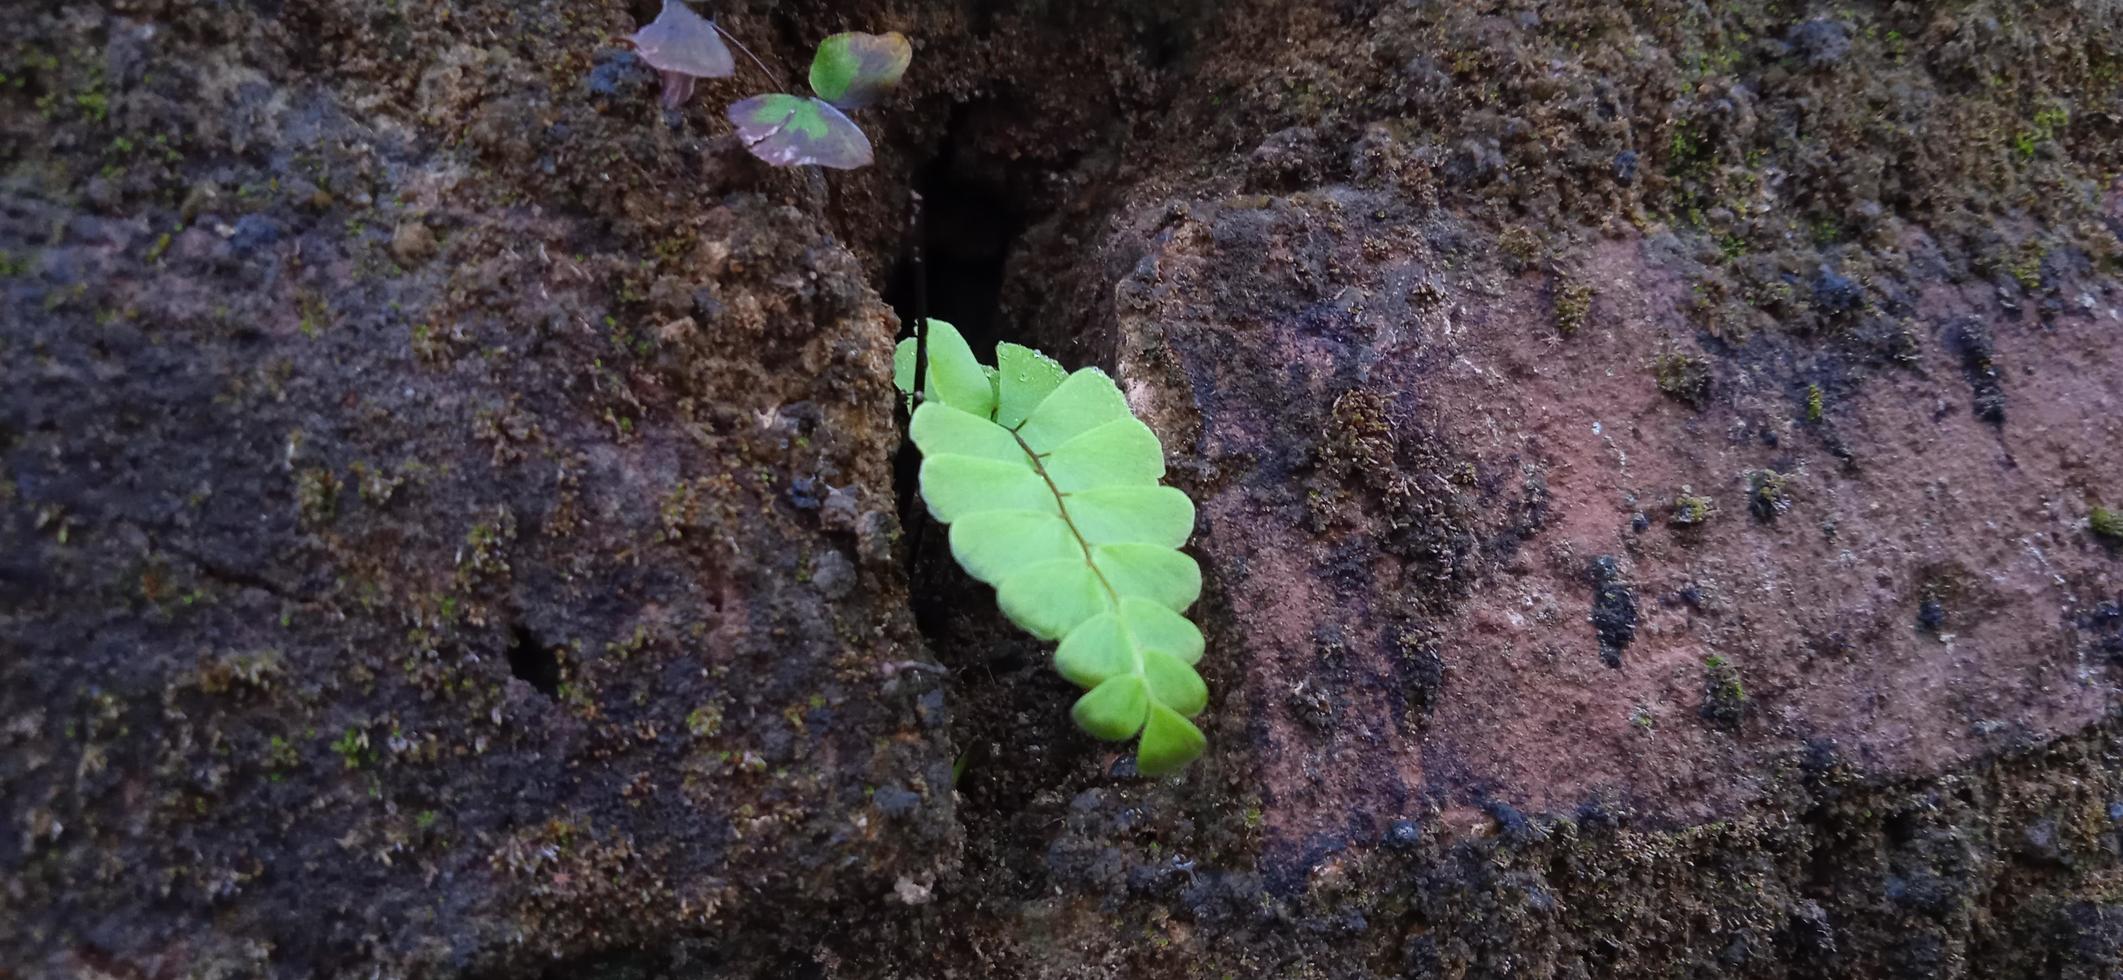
1061, 503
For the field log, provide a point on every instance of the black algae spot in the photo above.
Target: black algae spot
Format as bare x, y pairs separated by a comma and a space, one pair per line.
1613, 609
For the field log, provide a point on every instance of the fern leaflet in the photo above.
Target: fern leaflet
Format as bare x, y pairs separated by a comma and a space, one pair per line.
1050, 488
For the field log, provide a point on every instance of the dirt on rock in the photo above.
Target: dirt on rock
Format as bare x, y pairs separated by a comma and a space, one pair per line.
1495, 462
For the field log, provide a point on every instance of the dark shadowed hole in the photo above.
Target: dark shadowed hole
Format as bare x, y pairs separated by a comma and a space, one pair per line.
972, 217
971, 223
533, 662
976, 209
1164, 41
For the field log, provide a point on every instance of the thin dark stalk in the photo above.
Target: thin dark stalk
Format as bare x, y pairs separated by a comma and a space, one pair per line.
909, 466
732, 38
921, 292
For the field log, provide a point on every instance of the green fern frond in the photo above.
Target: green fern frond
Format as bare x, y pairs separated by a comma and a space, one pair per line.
1050, 487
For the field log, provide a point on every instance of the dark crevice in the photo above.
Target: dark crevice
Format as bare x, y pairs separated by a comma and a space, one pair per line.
533, 662
971, 222
970, 219
1165, 43
1007, 254
239, 578
976, 210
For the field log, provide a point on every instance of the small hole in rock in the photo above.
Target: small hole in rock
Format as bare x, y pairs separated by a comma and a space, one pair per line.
978, 210
971, 223
974, 210
534, 663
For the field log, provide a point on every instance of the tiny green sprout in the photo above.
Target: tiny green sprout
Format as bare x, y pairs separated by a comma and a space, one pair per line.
2047, 124
1573, 300
2106, 522
1768, 494
1724, 696
1050, 486
1691, 509
1814, 403
850, 71
1683, 376
281, 754
352, 747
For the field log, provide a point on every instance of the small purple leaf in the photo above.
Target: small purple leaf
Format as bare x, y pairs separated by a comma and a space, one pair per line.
787, 131
681, 42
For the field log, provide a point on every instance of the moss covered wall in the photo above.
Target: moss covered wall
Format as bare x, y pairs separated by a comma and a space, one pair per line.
448, 526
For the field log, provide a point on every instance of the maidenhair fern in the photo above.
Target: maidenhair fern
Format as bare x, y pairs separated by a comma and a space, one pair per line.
1050, 487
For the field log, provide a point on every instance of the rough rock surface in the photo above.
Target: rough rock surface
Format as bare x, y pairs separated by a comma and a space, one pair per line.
1467, 574
1646, 459
1645, 456
448, 514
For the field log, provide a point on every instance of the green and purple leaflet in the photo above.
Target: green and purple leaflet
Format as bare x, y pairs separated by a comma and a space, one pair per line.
789, 131
855, 70
849, 71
